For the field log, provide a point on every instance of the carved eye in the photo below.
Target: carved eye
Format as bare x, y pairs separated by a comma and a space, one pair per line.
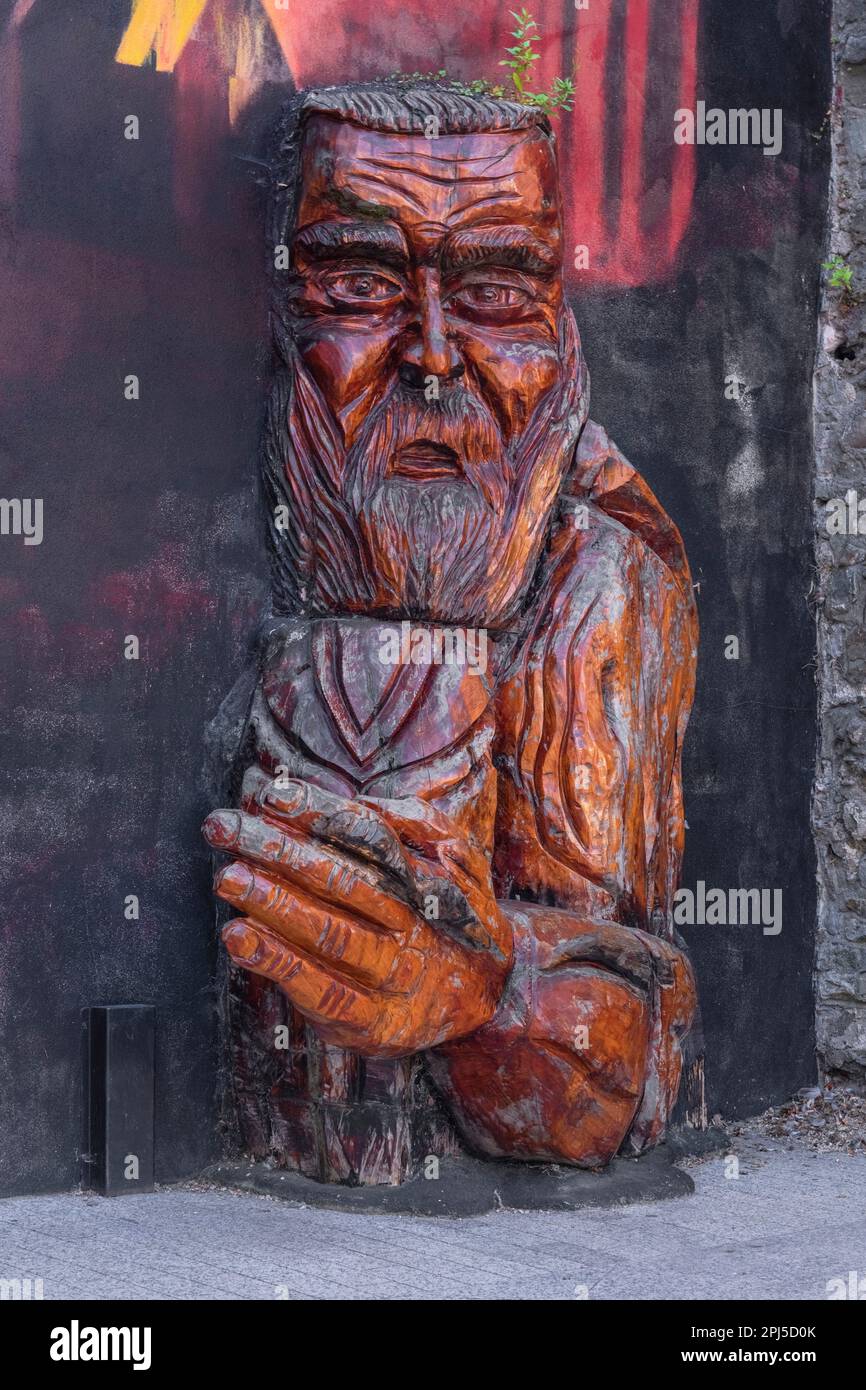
361, 286
495, 296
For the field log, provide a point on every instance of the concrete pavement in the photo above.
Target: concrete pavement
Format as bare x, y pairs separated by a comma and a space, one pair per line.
790, 1223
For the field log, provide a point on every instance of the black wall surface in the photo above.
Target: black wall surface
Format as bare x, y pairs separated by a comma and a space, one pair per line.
151, 529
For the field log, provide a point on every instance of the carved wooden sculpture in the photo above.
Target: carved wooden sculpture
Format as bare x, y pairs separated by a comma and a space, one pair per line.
460, 822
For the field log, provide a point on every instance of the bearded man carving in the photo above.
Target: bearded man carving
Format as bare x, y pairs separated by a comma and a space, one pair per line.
471, 867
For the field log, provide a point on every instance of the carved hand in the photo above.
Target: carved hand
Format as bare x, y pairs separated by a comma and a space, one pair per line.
374, 916
584, 1049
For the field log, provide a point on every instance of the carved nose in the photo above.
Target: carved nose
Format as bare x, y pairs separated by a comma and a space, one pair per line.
417, 374
430, 351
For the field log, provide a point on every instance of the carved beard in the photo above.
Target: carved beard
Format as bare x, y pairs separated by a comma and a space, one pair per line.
456, 550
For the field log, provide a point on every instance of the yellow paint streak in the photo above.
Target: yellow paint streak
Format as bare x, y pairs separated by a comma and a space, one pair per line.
250, 65
164, 25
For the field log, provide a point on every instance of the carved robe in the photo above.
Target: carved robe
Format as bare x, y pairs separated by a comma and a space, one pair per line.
562, 762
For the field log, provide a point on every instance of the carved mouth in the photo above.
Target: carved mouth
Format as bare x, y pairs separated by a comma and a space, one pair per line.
424, 459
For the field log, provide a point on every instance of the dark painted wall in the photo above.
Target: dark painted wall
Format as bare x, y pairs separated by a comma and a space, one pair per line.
151, 529
737, 478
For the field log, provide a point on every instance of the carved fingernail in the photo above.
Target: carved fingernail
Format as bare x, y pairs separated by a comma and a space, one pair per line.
289, 798
234, 881
242, 942
221, 829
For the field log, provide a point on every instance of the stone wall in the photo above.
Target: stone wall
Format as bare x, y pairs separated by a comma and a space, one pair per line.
839, 811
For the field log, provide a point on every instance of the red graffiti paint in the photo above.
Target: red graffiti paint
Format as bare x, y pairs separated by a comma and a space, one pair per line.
622, 57
628, 186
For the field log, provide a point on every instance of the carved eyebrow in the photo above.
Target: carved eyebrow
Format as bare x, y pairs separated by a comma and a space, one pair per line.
514, 246
330, 240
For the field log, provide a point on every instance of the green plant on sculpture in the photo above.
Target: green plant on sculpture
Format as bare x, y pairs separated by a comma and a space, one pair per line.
522, 57
520, 61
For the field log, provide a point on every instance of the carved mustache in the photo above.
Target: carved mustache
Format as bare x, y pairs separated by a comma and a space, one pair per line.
458, 423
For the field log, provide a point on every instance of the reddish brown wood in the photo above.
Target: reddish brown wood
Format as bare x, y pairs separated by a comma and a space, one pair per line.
458, 872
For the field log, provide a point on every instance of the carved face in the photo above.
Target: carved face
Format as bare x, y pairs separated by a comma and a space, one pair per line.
428, 317
429, 259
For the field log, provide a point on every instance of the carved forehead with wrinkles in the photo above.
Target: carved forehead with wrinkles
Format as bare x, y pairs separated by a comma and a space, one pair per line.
422, 198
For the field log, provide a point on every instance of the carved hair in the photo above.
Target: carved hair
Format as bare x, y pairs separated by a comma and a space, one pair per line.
383, 106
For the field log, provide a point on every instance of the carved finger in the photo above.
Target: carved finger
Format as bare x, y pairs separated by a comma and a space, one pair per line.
620, 949
427, 831
350, 825
330, 877
463, 891
255, 783
349, 945
309, 986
